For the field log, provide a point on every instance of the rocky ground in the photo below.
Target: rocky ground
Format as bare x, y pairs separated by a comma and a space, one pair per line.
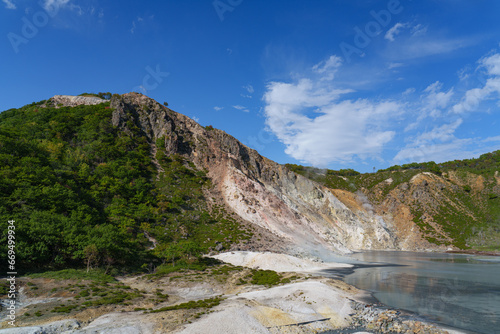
221, 299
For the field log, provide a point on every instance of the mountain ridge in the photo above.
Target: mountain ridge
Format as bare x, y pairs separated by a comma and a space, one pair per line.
243, 173
148, 173
246, 177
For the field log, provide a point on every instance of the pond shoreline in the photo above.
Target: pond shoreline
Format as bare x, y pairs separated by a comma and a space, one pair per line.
312, 303
447, 288
473, 252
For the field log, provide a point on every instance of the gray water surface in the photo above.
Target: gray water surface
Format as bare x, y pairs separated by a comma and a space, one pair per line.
462, 291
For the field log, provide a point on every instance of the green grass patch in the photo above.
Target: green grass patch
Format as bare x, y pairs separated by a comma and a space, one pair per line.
194, 304
64, 308
77, 274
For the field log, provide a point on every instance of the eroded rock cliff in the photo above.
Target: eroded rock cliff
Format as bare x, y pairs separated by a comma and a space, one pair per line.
308, 217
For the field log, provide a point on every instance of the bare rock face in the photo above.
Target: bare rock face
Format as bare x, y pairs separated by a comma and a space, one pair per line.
72, 101
308, 217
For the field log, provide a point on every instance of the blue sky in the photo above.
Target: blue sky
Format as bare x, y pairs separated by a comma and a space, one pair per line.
331, 83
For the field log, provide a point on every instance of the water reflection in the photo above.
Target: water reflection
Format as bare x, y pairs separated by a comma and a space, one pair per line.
457, 290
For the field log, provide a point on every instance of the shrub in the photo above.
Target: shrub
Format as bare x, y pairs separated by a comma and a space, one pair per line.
265, 277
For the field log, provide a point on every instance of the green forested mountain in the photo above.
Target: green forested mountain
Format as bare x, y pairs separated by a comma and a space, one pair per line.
114, 184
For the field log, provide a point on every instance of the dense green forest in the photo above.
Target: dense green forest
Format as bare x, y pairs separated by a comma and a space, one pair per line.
486, 164
85, 194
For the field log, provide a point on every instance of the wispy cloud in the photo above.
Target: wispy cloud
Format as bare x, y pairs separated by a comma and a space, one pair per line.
438, 152
218, 108
9, 4
54, 5
413, 48
442, 144
415, 30
139, 22
473, 97
241, 108
433, 103
320, 124
249, 89
418, 30
394, 65
438, 144
408, 91
395, 30
436, 100
328, 68
413, 42
317, 127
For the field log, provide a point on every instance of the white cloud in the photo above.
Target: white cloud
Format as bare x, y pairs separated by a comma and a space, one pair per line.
436, 152
140, 22
463, 73
441, 133
490, 139
473, 97
303, 94
450, 148
394, 65
443, 142
249, 88
196, 119
416, 43
418, 30
395, 30
317, 128
433, 103
409, 91
242, 108
218, 108
9, 4
423, 48
439, 144
54, 5
320, 124
492, 64
436, 100
79, 10
328, 68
